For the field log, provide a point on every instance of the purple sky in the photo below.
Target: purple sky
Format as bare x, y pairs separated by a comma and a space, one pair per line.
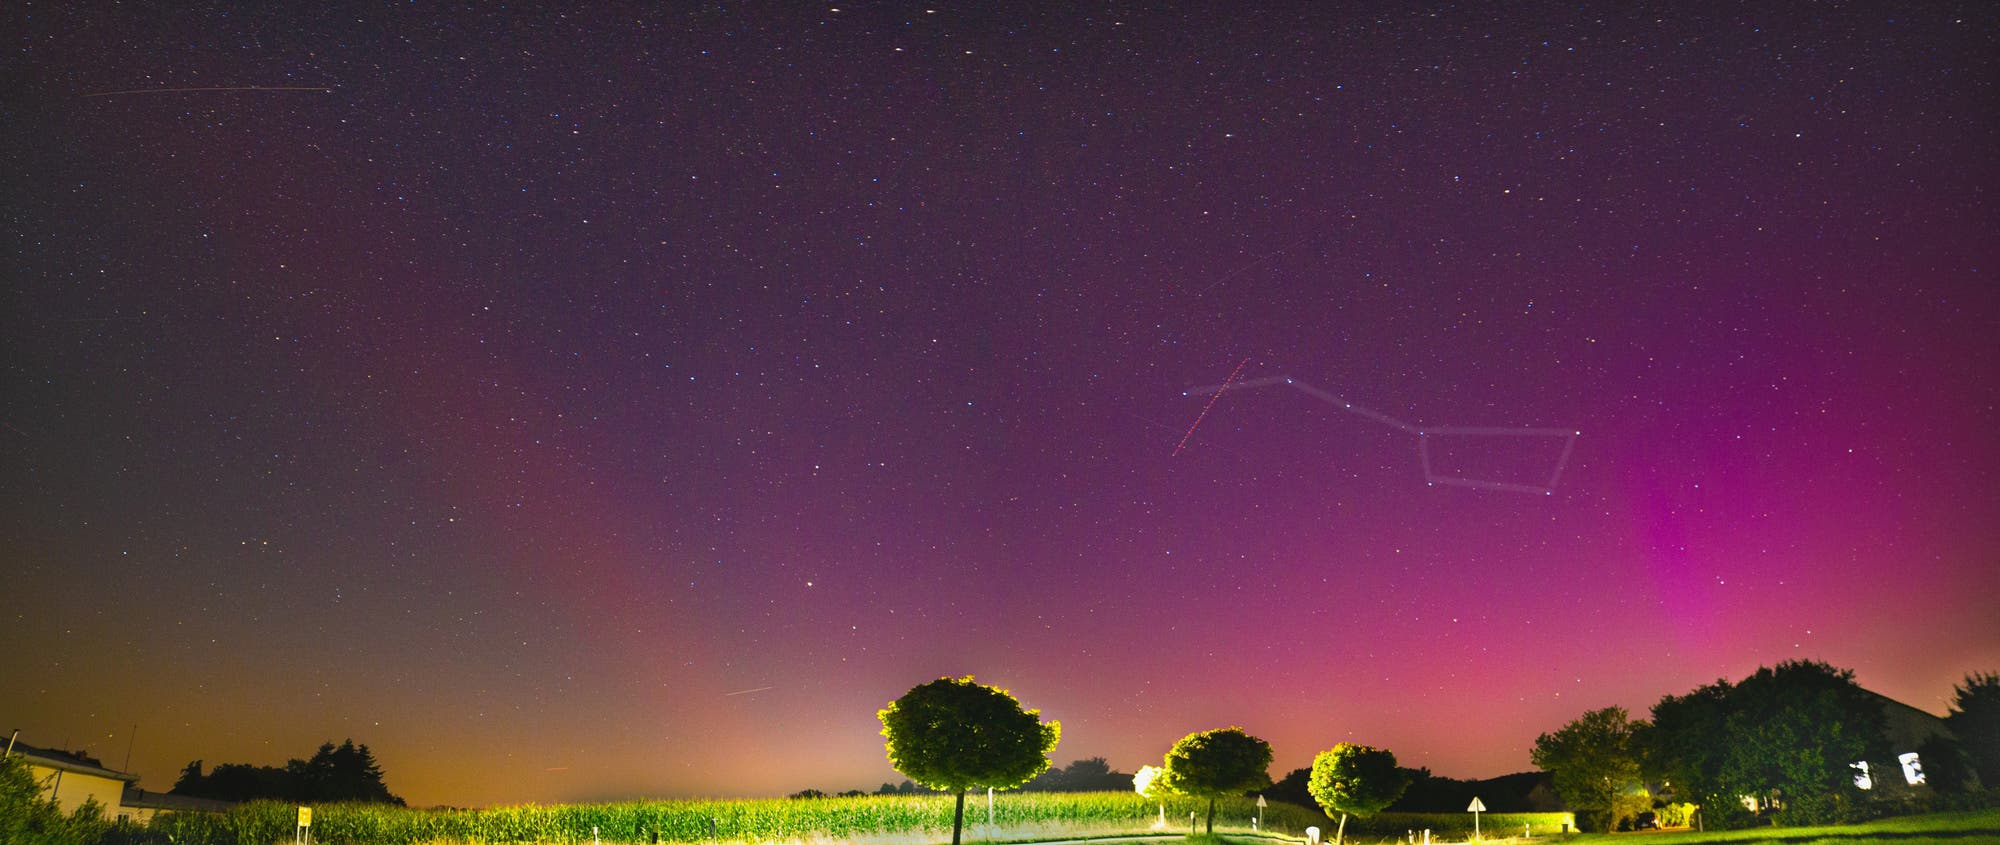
523, 399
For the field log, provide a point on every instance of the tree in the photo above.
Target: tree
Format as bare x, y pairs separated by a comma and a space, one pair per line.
1947, 768
1216, 764
1787, 736
953, 734
344, 773
1292, 788
1793, 733
1355, 779
1685, 745
1093, 774
237, 782
1974, 719
1090, 774
1147, 783
190, 779
1594, 762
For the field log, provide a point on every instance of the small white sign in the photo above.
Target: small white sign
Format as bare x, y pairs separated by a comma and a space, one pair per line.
1476, 807
1260, 802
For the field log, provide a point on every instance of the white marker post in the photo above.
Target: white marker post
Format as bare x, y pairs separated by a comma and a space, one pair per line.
1476, 808
989, 806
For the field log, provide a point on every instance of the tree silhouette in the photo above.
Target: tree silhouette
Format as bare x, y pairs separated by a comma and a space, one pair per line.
347, 772
954, 734
1974, 719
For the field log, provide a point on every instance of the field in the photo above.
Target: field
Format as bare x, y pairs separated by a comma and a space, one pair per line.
926, 819
880, 820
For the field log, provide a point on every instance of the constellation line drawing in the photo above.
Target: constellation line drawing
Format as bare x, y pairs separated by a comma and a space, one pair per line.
1422, 433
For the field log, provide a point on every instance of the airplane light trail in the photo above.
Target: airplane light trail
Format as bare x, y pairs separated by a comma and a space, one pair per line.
1211, 403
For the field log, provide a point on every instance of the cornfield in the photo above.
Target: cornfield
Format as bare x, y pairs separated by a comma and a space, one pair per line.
893, 820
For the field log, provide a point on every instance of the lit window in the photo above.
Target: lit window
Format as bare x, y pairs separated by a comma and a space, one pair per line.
1913, 769
1861, 778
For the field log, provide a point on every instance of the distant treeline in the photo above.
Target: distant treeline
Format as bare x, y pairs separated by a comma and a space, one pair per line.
1523, 792
346, 773
1091, 774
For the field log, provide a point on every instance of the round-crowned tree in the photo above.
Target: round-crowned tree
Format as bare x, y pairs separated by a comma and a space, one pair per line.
953, 734
1216, 764
1355, 779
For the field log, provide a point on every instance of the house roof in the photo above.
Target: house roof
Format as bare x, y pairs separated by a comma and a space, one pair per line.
1909, 727
70, 761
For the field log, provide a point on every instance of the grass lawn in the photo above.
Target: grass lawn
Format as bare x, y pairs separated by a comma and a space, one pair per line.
1934, 829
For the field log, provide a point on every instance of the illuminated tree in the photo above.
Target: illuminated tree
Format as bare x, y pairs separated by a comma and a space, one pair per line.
953, 734
1216, 764
1147, 783
1975, 720
1594, 762
1355, 779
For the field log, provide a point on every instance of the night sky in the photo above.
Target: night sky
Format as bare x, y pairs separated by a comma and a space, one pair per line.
631, 402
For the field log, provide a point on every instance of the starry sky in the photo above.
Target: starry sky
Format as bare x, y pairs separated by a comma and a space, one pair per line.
630, 402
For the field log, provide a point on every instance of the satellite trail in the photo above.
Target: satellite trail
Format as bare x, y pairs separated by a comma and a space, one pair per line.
208, 89
1423, 434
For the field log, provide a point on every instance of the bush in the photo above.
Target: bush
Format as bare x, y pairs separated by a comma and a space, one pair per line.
1671, 814
26, 818
1728, 815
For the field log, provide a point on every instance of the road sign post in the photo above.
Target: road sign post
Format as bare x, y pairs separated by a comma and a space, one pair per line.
303, 834
1476, 808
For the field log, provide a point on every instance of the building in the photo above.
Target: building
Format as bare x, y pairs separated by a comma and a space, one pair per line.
72, 778
141, 805
1908, 730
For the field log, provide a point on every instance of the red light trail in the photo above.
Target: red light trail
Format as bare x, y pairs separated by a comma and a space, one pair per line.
1211, 403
